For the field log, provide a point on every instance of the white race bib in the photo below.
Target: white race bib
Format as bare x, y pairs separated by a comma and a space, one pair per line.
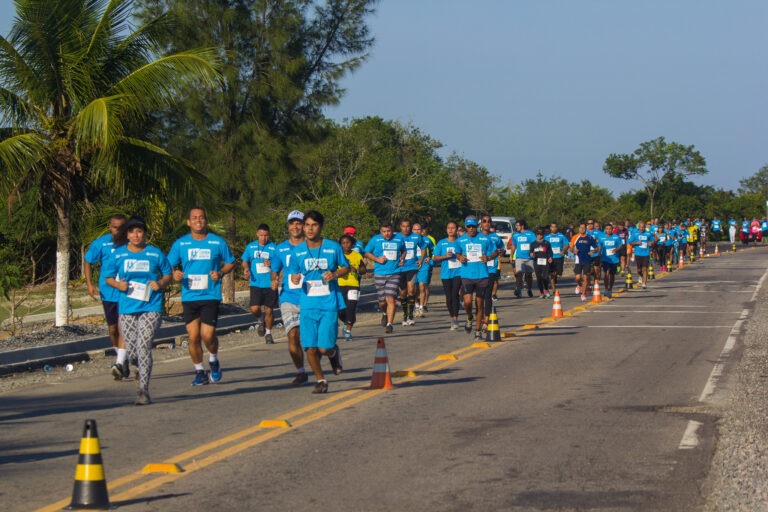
525, 247
610, 252
409, 254
418, 252
292, 286
474, 256
541, 261
353, 294
390, 255
197, 281
317, 288
490, 264
454, 264
138, 291
555, 250
643, 245
261, 268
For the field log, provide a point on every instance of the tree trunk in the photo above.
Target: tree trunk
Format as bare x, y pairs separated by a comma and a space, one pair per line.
228, 281
63, 232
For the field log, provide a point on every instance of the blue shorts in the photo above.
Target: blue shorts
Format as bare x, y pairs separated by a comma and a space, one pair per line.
424, 274
318, 329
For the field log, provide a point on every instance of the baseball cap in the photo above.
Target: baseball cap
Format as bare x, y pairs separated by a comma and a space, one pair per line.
295, 215
470, 221
349, 230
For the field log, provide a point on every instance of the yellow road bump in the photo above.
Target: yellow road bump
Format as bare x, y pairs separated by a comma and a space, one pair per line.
405, 373
274, 423
480, 344
447, 357
547, 319
530, 326
162, 468
508, 334
579, 308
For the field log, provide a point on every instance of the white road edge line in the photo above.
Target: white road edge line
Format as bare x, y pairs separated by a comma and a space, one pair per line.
690, 438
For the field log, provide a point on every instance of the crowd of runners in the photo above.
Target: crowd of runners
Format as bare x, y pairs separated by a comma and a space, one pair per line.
315, 281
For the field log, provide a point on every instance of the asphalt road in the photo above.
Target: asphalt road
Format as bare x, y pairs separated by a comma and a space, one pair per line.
610, 409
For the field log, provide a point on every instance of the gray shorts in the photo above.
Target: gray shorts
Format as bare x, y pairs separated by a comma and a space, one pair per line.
523, 265
387, 286
290, 314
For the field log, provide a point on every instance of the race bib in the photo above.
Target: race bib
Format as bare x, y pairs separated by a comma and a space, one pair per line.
490, 264
138, 291
409, 254
474, 256
525, 247
418, 252
261, 268
541, 261
197, 281
643, 245
292, 286
390, 255
454, 264
555, 250
610, 252
317, 288
353, 294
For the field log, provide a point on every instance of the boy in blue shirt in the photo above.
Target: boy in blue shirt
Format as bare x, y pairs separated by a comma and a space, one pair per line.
204, 259
317, 264
257, 265
388, 254
520, 244
474, 252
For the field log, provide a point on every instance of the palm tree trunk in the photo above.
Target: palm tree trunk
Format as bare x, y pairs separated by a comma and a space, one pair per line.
63, 232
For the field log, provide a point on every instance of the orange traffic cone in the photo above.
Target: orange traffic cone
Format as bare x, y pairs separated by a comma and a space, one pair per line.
557, 307
90, 491
381, 378
680, 264
717, 251
596, 297
701, 251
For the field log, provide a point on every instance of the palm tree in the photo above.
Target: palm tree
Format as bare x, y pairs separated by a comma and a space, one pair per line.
76, 81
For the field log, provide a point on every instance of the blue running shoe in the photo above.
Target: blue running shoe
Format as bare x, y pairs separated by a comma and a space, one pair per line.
215, 371
201, 378
347, 334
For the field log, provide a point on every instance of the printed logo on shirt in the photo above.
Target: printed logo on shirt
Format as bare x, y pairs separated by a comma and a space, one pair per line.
136, 266
316, 264
389, 246
199, 254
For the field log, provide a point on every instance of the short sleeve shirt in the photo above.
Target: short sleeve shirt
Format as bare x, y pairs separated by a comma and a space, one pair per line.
256, 254
449, 267
138, 269
716, 225
289, 293
558, 242
644, 241
198, 258
498, 245
523, 243
610, 248
474, 248
99, 251
412, 243
581, 245
351, 279
316, 294
390, 249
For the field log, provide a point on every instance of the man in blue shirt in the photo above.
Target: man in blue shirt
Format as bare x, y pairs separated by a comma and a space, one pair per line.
593, 229
414, 244
475, 251
584, 246
520, 245
559, 243
493, 264
641, 242
424, 275
290, 294
717, 228
764, 230
388, 254
99, 251
257, 266
317, 264
609, 257
204, 259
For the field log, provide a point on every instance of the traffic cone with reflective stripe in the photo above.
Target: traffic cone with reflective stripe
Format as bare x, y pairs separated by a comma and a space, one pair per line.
493, 333
557, 307
596, 297
701, 251
381, 377
717, 251
90, 491
680, 264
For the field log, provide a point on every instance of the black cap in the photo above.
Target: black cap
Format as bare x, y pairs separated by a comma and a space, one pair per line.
135, 222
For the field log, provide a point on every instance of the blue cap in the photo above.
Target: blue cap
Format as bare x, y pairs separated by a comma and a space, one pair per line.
470, 221
295, 215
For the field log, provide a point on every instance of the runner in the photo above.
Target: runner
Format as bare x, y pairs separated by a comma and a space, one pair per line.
692, 238
744, 233
424, 275
317, 264
670, 233
475, 251
754, 230
642, 242
388, 253
703, 232
99, 251
140, 272
717, 229
493, 265
411, 265
609, 259
593, 229
204, 259
622, 232
257, 265
732, 229
450, 269
350, 285
520, 245
290, 294
461, 231
541, 250
559, 244
764, 229
357, 245
583, 246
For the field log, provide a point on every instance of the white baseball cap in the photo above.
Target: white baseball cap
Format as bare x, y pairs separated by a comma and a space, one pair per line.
295, 215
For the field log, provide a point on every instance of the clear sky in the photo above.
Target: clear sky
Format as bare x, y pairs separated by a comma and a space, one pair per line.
556, 86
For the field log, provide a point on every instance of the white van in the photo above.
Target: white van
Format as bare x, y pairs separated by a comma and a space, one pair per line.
504, 227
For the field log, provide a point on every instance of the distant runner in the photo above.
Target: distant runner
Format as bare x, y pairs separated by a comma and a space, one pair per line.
450, 269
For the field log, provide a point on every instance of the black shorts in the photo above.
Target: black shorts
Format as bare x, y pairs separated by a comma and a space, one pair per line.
206, 310
406, 277
266, 297
110, 312
623, 251
596, 261
556, 267
582, 268
642, 261
609, 267
477, 286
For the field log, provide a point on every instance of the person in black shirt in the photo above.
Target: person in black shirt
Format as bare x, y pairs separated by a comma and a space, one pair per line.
541, 252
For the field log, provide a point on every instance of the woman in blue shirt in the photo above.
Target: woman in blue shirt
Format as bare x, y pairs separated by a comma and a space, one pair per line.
140, 272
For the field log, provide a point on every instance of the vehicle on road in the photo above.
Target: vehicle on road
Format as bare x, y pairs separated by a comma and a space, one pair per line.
504, 227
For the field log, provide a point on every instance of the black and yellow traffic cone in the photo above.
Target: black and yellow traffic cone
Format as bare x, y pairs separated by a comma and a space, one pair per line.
90, 491
493, 333
651, 275
628, 283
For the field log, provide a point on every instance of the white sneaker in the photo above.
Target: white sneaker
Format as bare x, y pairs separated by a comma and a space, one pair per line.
577, 290
405, 322
411, 322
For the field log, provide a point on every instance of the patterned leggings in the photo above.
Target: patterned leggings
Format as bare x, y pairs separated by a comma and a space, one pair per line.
139, 330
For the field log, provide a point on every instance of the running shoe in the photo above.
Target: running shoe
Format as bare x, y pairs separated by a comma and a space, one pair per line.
301, 378
261, 329
142, 398
388, 329
530, 293
269, 339
468, 326
411, 322
117, 371
215, 370
418, 313
405, 322
478, 335
320, 387
494, 298
336, 361
583, 298
518, 294
383, 320
644, 287
577, 290
610, 294
541, 296
454, 326
201, 378
547, 295
484, 327
126, 370
346, 333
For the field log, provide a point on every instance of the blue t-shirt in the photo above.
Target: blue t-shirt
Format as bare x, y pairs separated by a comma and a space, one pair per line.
596, 233
764, 225
358, 247
610, 248
412, 243
745, 227
473, 248
256, 254
716, 225
732, 223
644, 241
558, 242
522, 242
198, 258
99, 251
390, 249
138, 268
450, 267
581, 245
316, 294
653, 228
289, 292
498, 245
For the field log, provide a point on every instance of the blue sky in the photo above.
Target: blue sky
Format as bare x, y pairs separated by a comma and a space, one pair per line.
556, 86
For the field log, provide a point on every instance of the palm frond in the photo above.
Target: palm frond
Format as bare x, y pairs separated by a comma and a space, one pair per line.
14, 111
100, 124
112, 20
20, 155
